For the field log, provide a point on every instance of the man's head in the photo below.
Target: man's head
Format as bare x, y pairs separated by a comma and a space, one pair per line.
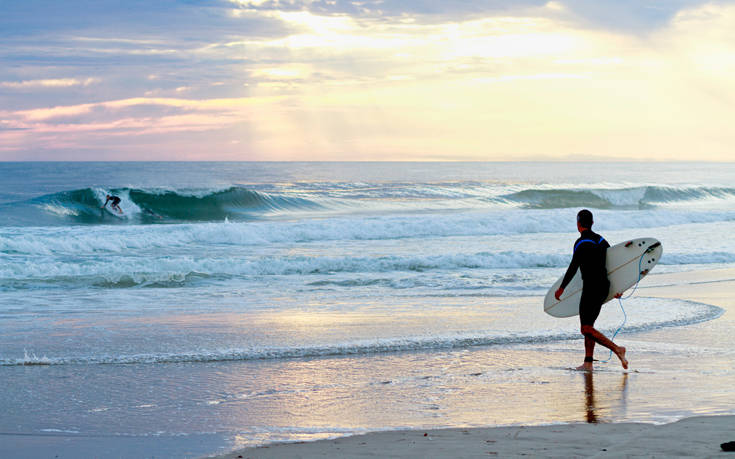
584, 219
108, 196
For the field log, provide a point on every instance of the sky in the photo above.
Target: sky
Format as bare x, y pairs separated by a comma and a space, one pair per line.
368, 80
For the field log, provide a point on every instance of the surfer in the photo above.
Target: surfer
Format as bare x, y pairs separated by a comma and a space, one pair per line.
115, 203
589, 257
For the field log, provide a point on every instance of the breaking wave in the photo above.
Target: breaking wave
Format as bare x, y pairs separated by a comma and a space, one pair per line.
83, 206
643, 197
239, 203
172, 271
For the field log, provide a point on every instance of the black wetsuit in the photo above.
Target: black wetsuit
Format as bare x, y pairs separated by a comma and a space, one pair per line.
115, 200
590, 252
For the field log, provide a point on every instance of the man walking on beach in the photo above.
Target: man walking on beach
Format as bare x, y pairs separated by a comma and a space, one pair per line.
589, 257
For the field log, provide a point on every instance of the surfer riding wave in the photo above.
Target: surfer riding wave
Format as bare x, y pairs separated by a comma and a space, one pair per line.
115, 203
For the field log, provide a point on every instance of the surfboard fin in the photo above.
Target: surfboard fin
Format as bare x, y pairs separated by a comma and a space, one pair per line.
652, 247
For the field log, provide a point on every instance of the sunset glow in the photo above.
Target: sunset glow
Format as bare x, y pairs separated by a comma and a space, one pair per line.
307, 80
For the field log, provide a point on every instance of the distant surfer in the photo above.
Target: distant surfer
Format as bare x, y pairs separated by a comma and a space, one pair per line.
590, 252
115, 203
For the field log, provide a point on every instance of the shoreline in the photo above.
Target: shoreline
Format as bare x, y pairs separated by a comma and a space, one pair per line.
691, 435
699, 436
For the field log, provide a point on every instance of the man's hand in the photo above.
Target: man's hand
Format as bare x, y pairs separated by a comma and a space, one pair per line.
558, 293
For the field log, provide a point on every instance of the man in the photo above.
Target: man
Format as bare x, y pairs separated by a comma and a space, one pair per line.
115, 201
589, 257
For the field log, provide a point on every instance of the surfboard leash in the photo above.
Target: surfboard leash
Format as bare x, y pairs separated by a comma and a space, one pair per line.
621, 298
625, 319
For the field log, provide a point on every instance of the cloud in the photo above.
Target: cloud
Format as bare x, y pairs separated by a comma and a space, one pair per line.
80, 127
429, 10
139, 103
48, 83
639, 17
630, 16
373, 79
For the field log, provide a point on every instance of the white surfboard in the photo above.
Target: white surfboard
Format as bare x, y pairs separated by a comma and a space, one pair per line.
113, 212
627, 262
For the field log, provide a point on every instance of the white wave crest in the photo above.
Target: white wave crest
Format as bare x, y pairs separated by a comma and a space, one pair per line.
132, 271
136, 271
116, 239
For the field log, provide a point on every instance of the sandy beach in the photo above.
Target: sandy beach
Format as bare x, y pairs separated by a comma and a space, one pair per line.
691, 436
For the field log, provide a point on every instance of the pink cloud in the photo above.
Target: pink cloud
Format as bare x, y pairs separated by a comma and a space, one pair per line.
48, 83
86, 125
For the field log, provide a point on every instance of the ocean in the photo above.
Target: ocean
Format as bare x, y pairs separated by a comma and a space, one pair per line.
236, 304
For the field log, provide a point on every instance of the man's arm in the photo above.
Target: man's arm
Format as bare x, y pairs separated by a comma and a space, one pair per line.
571, 271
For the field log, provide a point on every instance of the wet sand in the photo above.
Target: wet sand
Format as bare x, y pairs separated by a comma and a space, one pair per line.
696, 433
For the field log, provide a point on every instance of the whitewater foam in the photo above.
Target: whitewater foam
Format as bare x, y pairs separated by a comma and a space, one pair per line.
98, 238
130, 272
677, 313
177, 268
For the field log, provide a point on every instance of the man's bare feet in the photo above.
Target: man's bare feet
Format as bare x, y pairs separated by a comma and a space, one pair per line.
586, 366
621, 355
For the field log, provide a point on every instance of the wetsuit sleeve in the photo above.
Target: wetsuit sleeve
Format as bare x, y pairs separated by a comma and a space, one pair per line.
571, 270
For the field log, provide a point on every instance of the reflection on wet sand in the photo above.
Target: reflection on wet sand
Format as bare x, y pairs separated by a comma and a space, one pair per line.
591, 407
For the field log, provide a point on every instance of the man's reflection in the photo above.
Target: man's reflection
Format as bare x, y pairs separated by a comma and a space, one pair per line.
589, 395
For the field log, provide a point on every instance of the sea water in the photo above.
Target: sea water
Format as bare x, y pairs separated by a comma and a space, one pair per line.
241, 303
